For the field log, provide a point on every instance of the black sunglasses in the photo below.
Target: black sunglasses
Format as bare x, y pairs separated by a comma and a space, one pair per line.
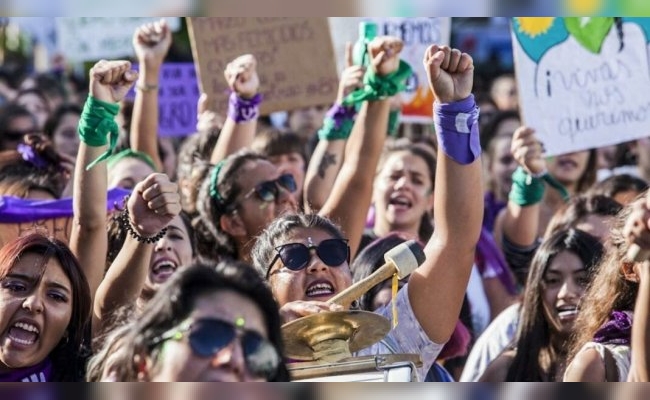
208, 336
296, 256
269, 191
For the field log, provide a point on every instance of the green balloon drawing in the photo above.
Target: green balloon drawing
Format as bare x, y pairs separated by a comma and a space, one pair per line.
589, 32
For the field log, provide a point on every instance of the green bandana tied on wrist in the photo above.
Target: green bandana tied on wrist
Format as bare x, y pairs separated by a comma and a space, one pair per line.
97, 126
528, 190
380, 87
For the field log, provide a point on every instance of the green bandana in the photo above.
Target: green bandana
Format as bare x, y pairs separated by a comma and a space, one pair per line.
380, 87
97, 126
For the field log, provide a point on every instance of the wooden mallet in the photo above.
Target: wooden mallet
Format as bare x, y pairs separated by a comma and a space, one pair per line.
401, 260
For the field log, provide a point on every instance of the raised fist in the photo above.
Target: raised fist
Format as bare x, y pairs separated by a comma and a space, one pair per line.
152, 41
241, 75
110, 81
450, 73
153, 204
384, 53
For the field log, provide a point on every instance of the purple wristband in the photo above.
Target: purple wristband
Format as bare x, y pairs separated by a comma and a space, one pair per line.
244, 110
457, 129
340, 113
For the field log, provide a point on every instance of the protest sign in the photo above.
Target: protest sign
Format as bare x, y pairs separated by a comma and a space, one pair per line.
583, 82
417, 33
41, 29
52, 218
295, 60
178, 94
94, 38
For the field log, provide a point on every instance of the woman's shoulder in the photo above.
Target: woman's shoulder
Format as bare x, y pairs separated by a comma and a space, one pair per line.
588, 365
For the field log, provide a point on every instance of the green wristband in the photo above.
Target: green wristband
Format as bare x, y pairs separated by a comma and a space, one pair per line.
526, 189
97, 126
380, 87
333, 131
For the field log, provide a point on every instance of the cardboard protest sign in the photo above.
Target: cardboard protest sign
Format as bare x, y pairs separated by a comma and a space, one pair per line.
583, 82
94, 38
295, 60
52, 218
178, 94
418, 33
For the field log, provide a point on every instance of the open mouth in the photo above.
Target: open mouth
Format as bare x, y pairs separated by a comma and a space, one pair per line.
163, 269
400, 203
319, 289
24, 333
567, 312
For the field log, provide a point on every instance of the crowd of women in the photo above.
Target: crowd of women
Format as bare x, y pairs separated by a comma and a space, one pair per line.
535, 269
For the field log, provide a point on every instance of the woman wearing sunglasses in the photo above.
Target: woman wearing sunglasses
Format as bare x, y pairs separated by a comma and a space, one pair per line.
245, 192
302, 279
206, 324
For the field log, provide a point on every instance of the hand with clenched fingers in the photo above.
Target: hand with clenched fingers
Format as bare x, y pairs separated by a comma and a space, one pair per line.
110, 81
241, 75
450, 73
384, 54
152, 41
153, 204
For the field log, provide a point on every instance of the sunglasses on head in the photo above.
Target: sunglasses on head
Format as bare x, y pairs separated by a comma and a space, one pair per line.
296, 256
269, 191
208, 336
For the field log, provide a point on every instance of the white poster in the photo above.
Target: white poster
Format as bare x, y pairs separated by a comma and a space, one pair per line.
417, 33
583, 82
94, 38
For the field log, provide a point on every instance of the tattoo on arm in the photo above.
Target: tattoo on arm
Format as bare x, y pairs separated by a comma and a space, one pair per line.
327, 161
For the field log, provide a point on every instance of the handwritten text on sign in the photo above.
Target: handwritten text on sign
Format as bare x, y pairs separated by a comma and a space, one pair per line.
295, 60
578, 99
94, 38
178, 95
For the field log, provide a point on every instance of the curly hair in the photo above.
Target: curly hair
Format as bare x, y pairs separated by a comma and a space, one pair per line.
212, 242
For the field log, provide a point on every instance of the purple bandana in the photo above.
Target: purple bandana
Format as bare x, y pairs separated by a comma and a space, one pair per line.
618, 330
244, 110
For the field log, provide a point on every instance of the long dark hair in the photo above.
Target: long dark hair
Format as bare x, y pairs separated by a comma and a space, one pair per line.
536, 360
68, 357
176, 300
368, 261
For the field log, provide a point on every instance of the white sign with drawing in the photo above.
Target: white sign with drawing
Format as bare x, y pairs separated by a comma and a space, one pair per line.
583, 82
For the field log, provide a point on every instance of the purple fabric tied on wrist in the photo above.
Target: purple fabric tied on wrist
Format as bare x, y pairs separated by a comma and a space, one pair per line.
244, 110
457, 129
339, 114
